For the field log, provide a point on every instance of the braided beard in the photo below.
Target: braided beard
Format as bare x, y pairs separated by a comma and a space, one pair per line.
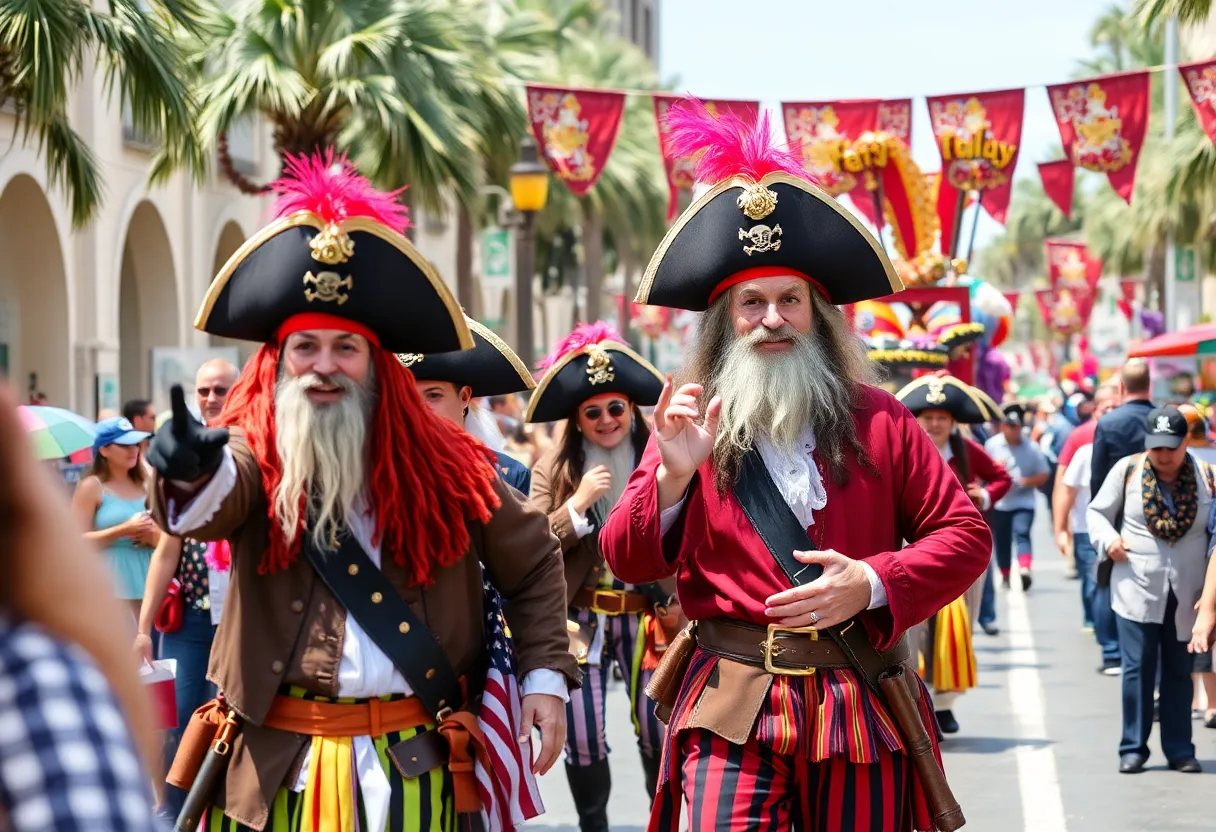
322, 452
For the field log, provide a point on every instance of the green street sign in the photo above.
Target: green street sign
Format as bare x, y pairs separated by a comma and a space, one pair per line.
496, 256
1184, 264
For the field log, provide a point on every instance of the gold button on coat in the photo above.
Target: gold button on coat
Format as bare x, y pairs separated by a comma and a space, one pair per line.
276, 667
377, 597
353, 569
403, 627
430, 674
297, 606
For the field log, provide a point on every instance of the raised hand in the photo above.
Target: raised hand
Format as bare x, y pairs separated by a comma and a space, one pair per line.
684, 442
183, 449
594, 484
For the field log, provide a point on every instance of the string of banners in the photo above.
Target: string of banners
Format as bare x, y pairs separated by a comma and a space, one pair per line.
859, 150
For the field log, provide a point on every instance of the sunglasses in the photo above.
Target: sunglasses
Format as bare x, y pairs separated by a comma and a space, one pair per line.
616, 409
204, 392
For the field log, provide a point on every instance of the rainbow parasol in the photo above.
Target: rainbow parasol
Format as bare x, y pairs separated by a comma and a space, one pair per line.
55, 432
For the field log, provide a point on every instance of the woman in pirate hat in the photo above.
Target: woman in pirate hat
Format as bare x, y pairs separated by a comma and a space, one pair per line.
449, 381
597, 383
940, 404
353, 638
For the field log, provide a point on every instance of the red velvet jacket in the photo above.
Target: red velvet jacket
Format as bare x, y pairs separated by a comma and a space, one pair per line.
723, 569
995, 479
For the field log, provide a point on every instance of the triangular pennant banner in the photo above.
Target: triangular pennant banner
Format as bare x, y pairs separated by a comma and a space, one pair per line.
1102, 124
895, 117
680, 170
1069, 267
576, 130
1044, 299
978, 136
1014, 298
1058, 178
821, 131
1200, 79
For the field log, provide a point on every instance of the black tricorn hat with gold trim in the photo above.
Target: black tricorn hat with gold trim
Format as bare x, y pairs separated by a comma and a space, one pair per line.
491, 368
593, 359
335, 258
762, 217
968, 405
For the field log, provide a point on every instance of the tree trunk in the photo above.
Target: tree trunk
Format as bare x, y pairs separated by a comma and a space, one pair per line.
1154, 273
593, 255
465, 291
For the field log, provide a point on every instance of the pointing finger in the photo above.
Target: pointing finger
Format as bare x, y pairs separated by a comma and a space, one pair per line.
181, 414
660, 408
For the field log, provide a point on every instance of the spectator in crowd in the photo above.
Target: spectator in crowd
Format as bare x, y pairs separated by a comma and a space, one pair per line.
1150, 518
67, 761
1013, 514
1182, 387
201, 570
1118, 434
140, 414
1198, 441
111, 503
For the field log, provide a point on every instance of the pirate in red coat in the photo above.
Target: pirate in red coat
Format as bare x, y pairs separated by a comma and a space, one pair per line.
940, 404
778, 488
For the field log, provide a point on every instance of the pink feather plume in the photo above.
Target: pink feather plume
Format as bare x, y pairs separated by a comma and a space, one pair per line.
583, 335
731, 145
329, 187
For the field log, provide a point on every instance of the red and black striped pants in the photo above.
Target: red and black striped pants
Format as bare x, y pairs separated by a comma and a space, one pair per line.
734, 787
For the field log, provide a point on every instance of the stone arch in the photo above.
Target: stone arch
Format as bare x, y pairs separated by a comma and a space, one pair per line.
231, 237
148, 303
35, 335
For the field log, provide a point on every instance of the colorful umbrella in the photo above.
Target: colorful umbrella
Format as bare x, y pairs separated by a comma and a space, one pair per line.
1194, 340
55, 432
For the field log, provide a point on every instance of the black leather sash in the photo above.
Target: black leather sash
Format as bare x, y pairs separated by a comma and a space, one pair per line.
783, 534
367, 594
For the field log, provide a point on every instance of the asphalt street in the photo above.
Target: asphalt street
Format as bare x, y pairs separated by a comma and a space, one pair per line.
1039, 739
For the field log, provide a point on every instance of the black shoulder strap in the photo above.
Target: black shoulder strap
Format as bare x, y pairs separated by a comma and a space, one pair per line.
367, 594
783, 534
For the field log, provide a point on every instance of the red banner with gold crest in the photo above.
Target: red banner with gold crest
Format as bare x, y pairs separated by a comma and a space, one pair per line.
576, 130
1069, 266
1058, 178
1200, 80
1102, 123
821, 133
680, 170
978, 136
895, 117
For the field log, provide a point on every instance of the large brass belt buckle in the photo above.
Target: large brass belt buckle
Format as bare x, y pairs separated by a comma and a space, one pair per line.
616, 596
772, 649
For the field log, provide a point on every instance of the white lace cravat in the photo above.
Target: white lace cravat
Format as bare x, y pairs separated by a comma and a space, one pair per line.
796, 476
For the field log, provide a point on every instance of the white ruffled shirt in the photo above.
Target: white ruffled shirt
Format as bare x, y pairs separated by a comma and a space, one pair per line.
364, 671
797, 477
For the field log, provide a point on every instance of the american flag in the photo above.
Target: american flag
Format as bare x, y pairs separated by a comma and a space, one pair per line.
508, 790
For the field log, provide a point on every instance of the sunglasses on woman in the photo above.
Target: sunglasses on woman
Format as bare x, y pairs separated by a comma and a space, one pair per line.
616, 409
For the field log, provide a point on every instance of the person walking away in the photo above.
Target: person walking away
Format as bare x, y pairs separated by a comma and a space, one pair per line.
201, 572
1150, 519
1072, 530
1200, 446
941, 403
1118, 434
1013, 515
596, 382
112, 503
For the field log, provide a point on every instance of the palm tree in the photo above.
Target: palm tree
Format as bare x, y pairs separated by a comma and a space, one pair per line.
1187, 11
398, 84
44, 45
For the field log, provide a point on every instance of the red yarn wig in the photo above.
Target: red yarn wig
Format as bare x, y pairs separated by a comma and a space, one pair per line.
427, 477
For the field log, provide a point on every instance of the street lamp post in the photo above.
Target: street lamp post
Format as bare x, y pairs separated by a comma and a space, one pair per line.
529, 190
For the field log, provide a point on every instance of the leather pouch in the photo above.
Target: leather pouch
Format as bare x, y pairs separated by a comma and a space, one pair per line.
204, 725
667, 679
419, 754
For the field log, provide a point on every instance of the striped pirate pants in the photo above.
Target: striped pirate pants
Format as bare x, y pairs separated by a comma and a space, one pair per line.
753, 787
586, 740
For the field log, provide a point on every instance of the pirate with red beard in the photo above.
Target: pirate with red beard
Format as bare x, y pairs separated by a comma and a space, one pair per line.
352, 648
779, 488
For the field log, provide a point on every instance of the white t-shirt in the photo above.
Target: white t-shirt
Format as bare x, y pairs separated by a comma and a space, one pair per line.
1077, 476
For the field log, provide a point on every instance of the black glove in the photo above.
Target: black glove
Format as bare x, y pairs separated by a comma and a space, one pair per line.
183, 449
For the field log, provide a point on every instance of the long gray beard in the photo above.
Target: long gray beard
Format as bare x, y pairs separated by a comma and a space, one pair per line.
322, 453
620, 464
778, 395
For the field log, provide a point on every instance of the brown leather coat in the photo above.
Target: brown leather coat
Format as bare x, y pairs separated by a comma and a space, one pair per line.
287, 628
584, 563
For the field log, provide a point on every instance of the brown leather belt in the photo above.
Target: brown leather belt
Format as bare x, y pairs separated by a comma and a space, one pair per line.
611, 601
782, 651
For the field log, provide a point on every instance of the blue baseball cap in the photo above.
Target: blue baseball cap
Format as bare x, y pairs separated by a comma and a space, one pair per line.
117, 431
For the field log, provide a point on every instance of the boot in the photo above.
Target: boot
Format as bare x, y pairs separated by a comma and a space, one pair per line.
650, 765
590, 786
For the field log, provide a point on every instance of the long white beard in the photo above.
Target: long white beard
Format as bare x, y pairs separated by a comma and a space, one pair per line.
620, 464
322, 453
776, 394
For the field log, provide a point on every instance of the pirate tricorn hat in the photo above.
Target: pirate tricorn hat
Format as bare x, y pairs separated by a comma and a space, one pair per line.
968, 405
761, 217
491, 368
336, 257
591, 360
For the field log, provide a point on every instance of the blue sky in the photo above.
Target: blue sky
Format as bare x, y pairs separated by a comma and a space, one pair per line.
794, 50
